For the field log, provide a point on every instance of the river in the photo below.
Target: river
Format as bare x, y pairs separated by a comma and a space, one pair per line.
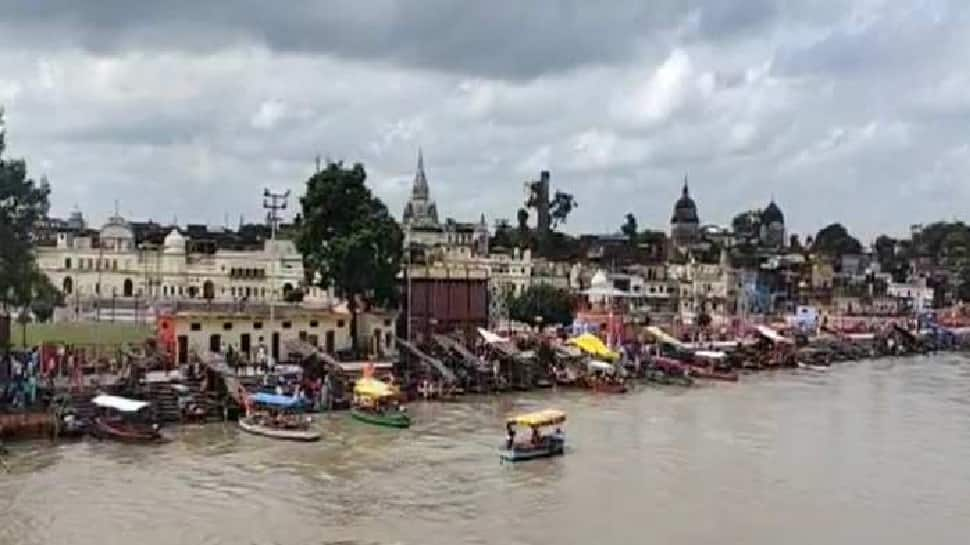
868, 452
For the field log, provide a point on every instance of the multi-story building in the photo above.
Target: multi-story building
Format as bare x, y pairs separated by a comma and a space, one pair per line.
135, 266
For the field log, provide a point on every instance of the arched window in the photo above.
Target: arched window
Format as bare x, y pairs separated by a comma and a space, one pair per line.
68, 285
208, 290
129, 288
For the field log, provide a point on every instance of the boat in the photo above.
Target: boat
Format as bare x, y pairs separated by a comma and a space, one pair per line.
124, 419
539, 446
712, 365
602, 377
379, 403
658, 376
277, 417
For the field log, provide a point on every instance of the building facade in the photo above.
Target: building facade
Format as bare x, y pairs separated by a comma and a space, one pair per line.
131, 267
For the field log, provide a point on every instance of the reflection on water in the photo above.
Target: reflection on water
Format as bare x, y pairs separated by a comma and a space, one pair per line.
868, 452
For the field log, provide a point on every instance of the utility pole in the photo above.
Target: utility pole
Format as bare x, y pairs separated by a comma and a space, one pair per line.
274, 203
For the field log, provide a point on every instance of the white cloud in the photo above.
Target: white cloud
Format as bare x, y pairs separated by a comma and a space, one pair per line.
270, 113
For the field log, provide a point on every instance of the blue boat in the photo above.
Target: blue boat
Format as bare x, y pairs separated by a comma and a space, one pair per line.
539, 445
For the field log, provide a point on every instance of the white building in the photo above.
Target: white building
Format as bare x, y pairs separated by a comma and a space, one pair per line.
918, 294
136, 270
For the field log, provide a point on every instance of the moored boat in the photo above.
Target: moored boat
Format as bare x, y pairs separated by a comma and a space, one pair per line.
125, 420
712, 365
379, 403
277, 417
539, 445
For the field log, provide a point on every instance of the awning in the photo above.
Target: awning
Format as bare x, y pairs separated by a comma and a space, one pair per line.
710, 354
117, 403
772, 335
371, 387
273, 400
597, 365
492, 338
358, 366
591, 344
548, 417
663, 337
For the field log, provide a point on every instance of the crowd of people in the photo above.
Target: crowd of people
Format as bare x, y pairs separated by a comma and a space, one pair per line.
20, 377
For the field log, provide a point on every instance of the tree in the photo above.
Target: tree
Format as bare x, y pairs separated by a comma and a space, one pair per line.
45, 297
794, 243
22, 205
348, 237
629, 227
523, 218
835, 241
560, 207
554, 305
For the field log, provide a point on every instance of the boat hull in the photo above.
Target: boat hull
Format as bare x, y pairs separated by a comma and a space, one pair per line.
395, 420
276, 433
556, 447
110, 430
709, 374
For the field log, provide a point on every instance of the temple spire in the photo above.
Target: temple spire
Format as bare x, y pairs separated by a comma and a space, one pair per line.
420, 189
686, 191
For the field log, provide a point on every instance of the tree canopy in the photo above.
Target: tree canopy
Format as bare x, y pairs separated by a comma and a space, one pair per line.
554, 305
22, 205
835, 241
560, 207
349, 239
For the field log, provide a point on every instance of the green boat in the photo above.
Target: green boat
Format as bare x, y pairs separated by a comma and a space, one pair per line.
390, 419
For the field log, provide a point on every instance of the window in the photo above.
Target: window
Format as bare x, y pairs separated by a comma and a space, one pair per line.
196, 326
257, 325
114, 264
227, 326
314, 323
387, 323
287, 325
340, 323
67, 263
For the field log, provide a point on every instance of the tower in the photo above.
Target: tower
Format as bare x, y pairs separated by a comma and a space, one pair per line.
420, 210
684, 223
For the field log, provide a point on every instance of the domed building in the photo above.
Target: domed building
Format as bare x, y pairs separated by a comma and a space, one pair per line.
772, 226
684, 223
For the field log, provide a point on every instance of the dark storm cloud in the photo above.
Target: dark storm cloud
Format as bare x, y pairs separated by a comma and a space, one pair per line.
504, 39
848, 111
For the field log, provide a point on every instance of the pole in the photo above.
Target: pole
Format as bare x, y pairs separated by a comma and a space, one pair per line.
408, 273
274, 202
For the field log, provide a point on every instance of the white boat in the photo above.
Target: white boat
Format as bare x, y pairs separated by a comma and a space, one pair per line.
289, 434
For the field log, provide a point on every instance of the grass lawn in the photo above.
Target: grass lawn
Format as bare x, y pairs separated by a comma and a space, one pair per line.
83, 333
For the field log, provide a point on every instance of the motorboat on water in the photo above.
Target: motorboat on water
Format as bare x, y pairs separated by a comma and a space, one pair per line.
539, 445
124, 419
712, 365
379, 403
278, 417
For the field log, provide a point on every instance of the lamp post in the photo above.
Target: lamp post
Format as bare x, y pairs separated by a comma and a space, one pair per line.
274, 202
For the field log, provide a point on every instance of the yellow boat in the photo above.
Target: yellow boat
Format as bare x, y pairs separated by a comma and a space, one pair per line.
540, 446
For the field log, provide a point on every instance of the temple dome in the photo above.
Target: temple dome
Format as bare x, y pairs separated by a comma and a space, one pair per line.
174, 242
685, 211
772, 214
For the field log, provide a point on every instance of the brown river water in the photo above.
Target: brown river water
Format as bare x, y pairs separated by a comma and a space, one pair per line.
868, 452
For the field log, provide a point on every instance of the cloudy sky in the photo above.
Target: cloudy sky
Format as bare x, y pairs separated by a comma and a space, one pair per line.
850, 111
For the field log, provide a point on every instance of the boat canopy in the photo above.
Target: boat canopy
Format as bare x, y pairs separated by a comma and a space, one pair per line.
492, 338
547, 417
597, 365
860, 336
117, 403
710, 354
274, 400
591, 344
663, 337
772, 335
371, 387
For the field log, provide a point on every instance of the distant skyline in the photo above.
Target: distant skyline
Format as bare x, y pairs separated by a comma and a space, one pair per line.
852, 112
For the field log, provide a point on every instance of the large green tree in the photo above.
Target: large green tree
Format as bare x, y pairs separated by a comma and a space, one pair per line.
22, 205
349, 239
835, 241
554, 305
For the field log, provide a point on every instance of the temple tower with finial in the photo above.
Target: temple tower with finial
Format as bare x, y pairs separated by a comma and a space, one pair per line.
772, 233
420, 211
684, 223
